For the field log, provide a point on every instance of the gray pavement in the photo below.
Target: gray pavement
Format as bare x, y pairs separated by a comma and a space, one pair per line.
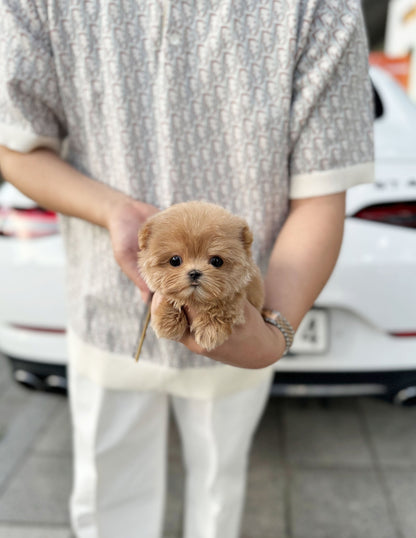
344, 468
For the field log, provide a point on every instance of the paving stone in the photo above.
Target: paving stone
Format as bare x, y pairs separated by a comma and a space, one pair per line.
174, 502
264, 512
5, 374
402, 488
267, 442
175, 447
393, 432
13, 399
38, 492
325, 435
57, 437
341, 503
175, 486
29, 531
23, 414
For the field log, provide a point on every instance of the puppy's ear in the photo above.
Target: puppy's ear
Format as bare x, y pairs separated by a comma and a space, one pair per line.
246, 237
144, 234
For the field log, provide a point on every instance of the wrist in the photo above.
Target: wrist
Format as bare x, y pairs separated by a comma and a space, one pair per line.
122, 207
277, 341
278, 320
116, 204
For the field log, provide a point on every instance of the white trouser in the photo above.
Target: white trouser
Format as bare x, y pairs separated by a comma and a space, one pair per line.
120, 460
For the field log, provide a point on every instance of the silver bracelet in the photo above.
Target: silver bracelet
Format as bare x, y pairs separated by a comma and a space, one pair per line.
277, 319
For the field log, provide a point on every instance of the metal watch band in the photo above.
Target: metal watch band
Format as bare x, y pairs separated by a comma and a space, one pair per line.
278, 320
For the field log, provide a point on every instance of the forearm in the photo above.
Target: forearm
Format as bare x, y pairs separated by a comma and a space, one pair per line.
54, 184
304, 255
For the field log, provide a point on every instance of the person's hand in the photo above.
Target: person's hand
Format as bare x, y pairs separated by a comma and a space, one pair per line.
255, 344
124, 223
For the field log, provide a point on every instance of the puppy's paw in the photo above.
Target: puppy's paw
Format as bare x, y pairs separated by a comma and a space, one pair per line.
168, 322
210, 335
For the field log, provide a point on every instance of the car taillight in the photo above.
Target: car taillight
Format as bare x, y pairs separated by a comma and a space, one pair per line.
408, 334
27, 223
397, 214
32, 328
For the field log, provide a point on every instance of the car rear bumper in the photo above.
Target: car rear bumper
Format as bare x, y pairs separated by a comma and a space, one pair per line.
396, 386
33, 345
355, 345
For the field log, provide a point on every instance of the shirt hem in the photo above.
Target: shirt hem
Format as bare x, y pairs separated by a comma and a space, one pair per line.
120, 372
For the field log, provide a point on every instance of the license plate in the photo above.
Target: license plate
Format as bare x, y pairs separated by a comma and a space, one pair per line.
312, 335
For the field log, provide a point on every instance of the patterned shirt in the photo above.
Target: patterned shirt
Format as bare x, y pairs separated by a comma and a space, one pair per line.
245, 103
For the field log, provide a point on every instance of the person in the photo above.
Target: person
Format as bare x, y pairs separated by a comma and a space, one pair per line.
111, 111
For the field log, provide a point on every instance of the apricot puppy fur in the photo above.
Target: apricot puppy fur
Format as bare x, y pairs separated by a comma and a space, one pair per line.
198, 254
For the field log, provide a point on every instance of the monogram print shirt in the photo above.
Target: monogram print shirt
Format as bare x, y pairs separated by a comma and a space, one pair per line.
245, 103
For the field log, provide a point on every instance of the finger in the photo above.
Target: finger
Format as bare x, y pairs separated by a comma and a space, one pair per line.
189, 341
156, 300
147, 296
130, 269
141, 284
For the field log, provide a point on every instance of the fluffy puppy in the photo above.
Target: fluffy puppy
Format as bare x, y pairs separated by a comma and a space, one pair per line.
198, 254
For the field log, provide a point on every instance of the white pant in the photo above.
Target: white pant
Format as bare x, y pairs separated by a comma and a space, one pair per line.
120, 460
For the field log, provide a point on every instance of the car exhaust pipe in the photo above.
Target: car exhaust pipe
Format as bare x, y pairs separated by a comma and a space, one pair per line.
56, 382
28, 379
406, 396
52, 382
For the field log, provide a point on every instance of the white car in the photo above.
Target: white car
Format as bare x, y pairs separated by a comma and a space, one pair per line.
360, 338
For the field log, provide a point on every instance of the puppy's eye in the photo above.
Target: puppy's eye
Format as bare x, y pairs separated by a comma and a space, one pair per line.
216, 261
175, 261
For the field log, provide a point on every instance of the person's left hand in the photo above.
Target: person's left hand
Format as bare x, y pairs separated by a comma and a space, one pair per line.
255, 344
124, 222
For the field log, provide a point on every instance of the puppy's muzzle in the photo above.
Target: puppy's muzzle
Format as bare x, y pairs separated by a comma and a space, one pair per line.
194, 276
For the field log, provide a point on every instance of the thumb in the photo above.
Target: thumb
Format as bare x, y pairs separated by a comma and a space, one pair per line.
129, 267
156, 300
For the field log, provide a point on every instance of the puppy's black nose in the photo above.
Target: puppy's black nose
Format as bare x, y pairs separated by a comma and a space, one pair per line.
194, 275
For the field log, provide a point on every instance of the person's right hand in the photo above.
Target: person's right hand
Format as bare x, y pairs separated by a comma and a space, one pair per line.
123, 224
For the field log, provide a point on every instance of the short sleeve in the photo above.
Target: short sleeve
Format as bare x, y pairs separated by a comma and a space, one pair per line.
331, 128
31, 113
